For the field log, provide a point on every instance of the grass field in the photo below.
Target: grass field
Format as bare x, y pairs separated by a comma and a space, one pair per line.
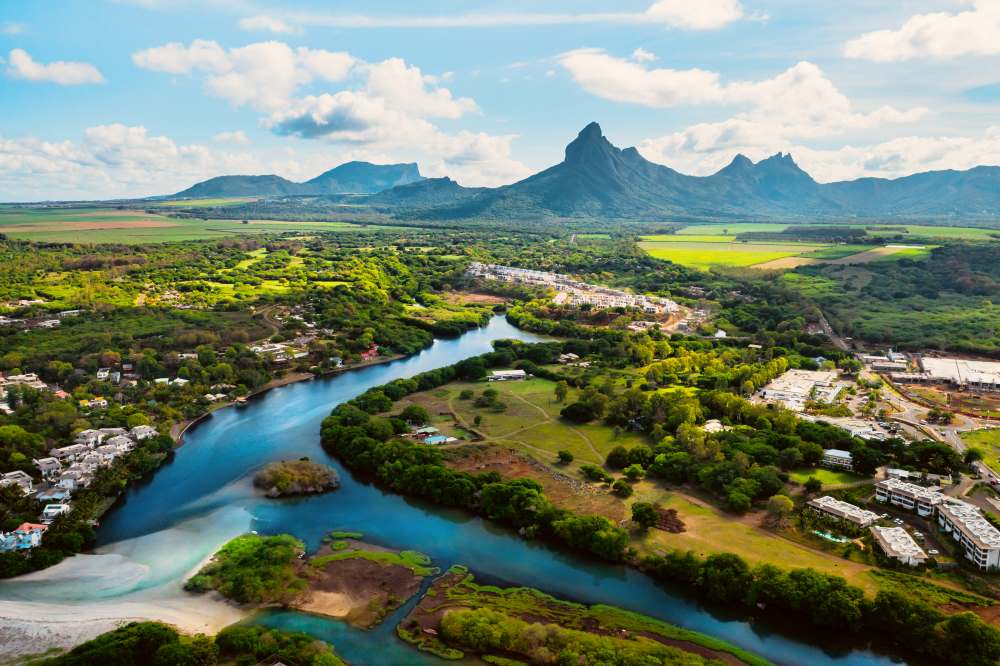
201, 203
917, 232
529, 424
707, 530
987, 441
827, 477
720, 253
105, 225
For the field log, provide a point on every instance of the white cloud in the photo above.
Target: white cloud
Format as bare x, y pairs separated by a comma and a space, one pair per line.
235, 137
939, 35
267, 24
264, 75
683, 14
12, 28
109, 161
380, 109
642, 55
22, 66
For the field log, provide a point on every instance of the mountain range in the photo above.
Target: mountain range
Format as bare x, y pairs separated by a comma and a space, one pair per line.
351, 177
599, 180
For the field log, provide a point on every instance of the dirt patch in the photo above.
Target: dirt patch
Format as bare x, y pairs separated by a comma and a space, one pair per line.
463, 297
784, 263
868, 256
669, 521
562, 490
356, 590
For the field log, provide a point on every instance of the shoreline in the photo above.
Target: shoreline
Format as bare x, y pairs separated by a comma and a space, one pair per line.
178, 430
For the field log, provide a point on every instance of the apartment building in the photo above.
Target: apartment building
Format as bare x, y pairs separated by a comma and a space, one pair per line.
897, 543
843, 511
909, 496
976, 536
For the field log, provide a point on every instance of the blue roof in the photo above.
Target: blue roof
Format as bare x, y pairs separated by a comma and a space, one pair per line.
436, 439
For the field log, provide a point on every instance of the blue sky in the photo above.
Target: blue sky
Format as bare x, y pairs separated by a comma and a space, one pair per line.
137, 97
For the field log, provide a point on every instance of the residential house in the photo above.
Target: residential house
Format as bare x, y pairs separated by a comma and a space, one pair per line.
121, 442
54, 495
96, 403
17, 478
48, 467
70, 452
53, 511
25, 537
143, 432
113, 432
103, 374
89, 438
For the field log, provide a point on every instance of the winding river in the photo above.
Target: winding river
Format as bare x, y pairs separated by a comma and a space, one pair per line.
164, 528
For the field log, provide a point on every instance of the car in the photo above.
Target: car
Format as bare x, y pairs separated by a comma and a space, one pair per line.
885, 515
932, 552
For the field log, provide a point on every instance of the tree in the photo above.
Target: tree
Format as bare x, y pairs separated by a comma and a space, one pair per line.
565, 457
634, 472
779, 507
644, 515
972, 455
562, 391
414, 414
621, 488
617, 458
737, 502
813, 485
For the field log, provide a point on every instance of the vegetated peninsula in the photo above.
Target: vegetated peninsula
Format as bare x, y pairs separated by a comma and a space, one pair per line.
346, 578
296, 477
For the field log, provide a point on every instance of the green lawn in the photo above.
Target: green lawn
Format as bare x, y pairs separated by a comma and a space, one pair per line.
827, 477
733, 229
987, 441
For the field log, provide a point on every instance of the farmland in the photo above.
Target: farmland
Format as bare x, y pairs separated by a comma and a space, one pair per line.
706, 254
106, 225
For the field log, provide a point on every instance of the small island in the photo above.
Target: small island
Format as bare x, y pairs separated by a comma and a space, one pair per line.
296, 477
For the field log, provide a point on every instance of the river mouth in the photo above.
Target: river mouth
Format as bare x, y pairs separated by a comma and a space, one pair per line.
163, 529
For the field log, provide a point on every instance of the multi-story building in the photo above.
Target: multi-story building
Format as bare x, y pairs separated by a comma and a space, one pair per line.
909, 496
897, 543
843, 511
838, 458
976, 537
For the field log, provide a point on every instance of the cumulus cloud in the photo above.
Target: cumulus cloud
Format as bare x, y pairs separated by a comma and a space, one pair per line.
940, 35
380, 108
20, 65
263, 75
642, 55
683, 14
109, 161
235, 137
267, 24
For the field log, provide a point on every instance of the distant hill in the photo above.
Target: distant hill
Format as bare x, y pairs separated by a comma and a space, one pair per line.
599, 180
349, 178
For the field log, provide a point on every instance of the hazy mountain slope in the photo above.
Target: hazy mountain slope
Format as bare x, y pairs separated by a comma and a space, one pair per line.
352, 177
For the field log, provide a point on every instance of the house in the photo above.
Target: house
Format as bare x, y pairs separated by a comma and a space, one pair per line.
61, 395
25, 537
113, 432
436, 439
898, 474
507, 375
976, 536
29, 379
17, 478
897, 544
120, 442
162, 381
57, 495
70, 480
370, 353
838, 458
68, 313
96, 403
53, 511
843, 511
187, 356
180, 381
48, 323
568, 358
47, 466
143, 432
89, 437
103, 374
426, 431
714, 425
70, 452
720, 334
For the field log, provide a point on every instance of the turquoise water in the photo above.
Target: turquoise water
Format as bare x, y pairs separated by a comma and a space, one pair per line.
203, 497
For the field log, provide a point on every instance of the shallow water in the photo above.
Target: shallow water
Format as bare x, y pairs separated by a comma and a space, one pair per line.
165, 527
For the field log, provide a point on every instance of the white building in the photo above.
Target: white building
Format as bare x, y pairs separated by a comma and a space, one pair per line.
17, 478
976, 537
70, 452
143, 432
897, 543
963, 373
909, 496
843, 511
47, 466
89, 437
53, 511
507, 375
796, 387
838, 458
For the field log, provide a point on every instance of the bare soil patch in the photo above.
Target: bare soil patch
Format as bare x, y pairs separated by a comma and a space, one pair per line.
562, 490
461, 297
785, 262
669, 521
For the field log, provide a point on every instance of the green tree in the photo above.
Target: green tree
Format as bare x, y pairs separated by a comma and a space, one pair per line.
813, 485
562, 391
565, 457
644, 515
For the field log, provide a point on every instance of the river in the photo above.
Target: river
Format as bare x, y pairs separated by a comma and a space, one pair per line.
165, 527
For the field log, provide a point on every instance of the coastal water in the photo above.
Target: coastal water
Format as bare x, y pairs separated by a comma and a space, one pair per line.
164, 527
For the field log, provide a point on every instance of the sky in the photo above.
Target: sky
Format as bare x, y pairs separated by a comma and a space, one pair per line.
128, 98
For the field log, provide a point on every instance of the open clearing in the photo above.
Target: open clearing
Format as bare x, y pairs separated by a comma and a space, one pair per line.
987, 441
708, 254
827, 477
105, 225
